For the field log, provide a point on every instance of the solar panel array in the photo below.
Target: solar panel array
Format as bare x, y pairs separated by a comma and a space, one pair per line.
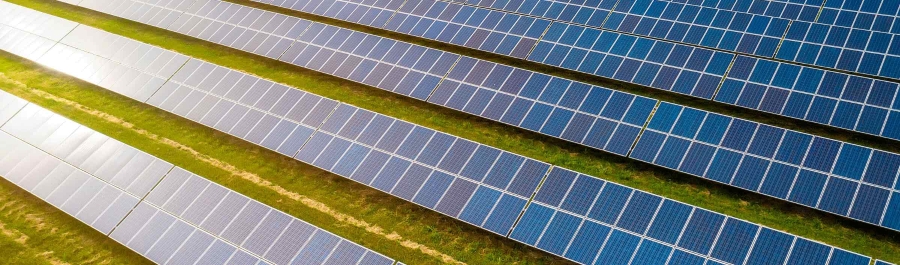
617, 126
474, 183
162, 212
694, 71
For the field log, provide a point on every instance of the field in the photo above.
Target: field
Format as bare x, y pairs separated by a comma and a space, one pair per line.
378, 221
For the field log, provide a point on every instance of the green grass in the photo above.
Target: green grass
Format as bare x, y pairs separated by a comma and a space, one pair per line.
461, 241
34, 232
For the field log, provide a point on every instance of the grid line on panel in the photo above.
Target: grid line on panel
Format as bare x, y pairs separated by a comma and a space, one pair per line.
75, 169
139, 202
318, 127
530, 200
643, 128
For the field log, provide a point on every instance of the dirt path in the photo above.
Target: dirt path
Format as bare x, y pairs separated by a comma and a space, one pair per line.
259, 181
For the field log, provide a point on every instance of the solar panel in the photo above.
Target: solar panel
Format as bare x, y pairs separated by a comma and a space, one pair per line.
841, 178
256, 228
214, 96
165, 239
590, 115
493, 31
94, 202
248, 29
159, 13
591, 221
867, 14
35, 22
380, 62
854, 50
111, 161
9, 106
162, 212
373, 13
825, 97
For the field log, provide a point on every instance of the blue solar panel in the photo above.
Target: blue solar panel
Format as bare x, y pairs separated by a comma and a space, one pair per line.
652, 230
679, 22
802, 168
868, 14
853, 50
831, 98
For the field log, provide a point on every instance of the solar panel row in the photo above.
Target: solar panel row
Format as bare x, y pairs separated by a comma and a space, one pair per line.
603, 133
167, 214
835, 47
579, 51
875, 15
415, 71
414, 163
678, 22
